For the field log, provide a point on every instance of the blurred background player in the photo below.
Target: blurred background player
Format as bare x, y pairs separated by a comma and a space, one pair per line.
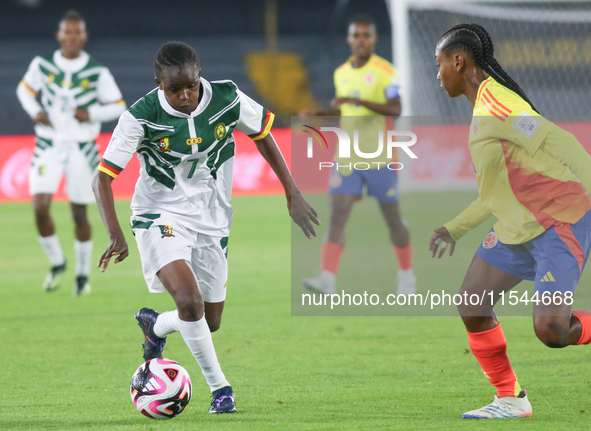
535, 178
76, 95
367, 91
182, 132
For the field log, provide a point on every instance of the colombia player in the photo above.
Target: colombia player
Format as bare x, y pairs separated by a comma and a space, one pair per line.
367, 92
534, 178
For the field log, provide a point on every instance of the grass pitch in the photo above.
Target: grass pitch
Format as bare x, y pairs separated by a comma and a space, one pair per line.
66, 362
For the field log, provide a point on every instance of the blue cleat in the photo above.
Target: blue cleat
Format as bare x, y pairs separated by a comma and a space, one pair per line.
223, 401
153, 345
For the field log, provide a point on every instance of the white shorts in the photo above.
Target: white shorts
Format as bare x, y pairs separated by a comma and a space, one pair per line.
52, 159
161, 240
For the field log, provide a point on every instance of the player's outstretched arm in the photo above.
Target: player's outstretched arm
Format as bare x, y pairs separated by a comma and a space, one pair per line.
101, 185
299, 209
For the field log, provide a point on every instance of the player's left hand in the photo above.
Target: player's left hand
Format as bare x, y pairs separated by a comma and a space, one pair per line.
82, 115
441, 236
302, 213
117, 247
335, 103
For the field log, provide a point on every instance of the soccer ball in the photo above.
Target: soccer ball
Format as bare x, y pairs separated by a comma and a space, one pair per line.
160, 388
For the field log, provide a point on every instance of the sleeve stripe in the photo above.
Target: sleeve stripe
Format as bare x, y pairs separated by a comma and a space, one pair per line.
112, 165
266, 129
33, 92
108, 169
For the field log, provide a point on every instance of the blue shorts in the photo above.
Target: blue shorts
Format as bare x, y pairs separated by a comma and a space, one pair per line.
554, 260
381, 183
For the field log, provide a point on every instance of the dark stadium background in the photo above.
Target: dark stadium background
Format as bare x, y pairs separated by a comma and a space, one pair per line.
125, 34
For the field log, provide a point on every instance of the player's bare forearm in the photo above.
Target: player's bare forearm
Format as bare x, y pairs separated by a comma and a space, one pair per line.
101, 185
271, 153
299, 209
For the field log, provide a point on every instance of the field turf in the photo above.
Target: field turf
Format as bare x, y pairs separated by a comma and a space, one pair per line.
66, 362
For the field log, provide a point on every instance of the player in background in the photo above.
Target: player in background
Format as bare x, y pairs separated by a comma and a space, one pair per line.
76, 94
366, 86
182, 133
535, 178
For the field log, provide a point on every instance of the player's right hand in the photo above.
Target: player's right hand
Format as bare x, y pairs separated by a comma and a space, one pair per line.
42, 118
440, 240
117, 247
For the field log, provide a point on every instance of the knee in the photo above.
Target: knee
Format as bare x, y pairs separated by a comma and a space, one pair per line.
472, 323
396, 223
551, 335
41, 212
80, 219
190, 307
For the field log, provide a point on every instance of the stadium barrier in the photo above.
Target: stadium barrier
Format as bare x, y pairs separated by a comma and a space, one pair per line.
443, 163
252, 175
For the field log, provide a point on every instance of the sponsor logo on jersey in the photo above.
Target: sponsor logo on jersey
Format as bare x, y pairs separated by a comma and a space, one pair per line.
220, 131
84, 83
66, 84
166, 230
51, 78
41, 170
490, 241
369, 78
194, 141
163, 144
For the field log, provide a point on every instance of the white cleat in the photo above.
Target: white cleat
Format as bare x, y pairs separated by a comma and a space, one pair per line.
501, 408
407, 282
325, 283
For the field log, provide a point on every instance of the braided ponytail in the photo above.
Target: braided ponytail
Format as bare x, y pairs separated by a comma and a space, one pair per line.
475, 40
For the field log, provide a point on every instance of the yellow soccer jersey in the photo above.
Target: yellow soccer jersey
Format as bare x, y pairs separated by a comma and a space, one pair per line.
529, 170
375, 82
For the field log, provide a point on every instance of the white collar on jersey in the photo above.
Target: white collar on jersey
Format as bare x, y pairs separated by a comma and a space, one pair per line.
205, 99
70, 65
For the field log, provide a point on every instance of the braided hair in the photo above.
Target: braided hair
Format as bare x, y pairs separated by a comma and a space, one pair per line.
475, 40
173, 54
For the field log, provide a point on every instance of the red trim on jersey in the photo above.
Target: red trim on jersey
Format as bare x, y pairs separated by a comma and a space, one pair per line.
495, 107
543, 196
497, 102
109, 168
490, 110
487, 102
268, 114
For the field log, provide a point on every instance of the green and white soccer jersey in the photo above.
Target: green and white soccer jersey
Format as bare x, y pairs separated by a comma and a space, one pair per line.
65, 85
67, 146
186, 160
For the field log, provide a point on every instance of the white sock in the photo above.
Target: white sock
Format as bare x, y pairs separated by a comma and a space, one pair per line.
83, 256
53, 249
198, 339
167, 323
